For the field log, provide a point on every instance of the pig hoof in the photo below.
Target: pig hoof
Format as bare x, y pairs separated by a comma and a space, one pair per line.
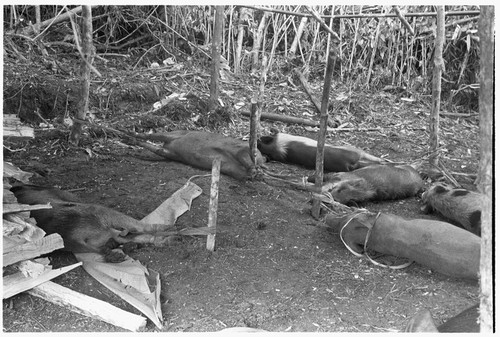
129, 247
115, 256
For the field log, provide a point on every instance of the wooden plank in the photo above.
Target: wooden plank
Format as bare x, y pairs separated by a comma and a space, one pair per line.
88, 306
17, 230
12, 127
14, 208
20, 131
214, 200
11, 171
17, 283
32, 249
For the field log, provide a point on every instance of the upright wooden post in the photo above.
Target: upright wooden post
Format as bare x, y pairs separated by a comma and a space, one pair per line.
255, 112
88, 56
436, 87
214, 201
214, 83
485, 174
323, 124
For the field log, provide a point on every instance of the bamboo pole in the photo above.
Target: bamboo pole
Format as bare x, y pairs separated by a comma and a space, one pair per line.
352, 16
317, 17
298, 35
403, 20
374, 51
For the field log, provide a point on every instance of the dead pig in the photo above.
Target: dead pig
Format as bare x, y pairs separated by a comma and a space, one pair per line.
456, 204
83, 227
375, 182
466, 321
199, 149
438, 245
298, 150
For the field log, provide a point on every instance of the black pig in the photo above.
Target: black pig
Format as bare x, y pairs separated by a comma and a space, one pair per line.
456, 204
375, 182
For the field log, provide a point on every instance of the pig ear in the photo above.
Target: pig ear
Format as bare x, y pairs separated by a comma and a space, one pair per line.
426, 208
421, 322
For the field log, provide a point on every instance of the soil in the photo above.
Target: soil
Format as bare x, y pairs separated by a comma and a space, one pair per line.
275, 267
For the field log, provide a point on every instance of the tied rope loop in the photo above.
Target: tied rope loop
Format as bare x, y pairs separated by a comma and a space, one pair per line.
365, 248
343, 241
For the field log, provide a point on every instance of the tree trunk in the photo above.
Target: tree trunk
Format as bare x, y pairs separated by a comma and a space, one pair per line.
214, 84
88, 56
239, 44
436, 87
258, 41
484, 178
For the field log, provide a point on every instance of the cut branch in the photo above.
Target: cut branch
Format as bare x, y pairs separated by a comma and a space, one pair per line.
283, 118
303, 81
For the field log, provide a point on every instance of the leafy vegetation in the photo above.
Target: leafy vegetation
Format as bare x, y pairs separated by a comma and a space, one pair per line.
376, 49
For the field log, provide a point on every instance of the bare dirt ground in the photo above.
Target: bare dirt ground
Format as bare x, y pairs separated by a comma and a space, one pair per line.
275, 267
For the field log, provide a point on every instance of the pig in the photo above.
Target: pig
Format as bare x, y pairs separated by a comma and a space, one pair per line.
200, 148
455, 204
375, 182
438, 245
466, 321
84, 228
298, 150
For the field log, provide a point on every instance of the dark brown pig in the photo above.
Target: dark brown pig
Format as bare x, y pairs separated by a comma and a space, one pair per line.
199, 149
375, 182
437, 245
84, 228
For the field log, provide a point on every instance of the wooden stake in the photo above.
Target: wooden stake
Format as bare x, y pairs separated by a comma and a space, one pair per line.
214, 200
254, 128
323, 122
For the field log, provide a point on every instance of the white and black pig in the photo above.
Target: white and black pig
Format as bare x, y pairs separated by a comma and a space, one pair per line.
456, 204
375, 182
299, 150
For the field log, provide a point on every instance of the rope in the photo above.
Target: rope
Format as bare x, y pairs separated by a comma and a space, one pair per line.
365, 248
